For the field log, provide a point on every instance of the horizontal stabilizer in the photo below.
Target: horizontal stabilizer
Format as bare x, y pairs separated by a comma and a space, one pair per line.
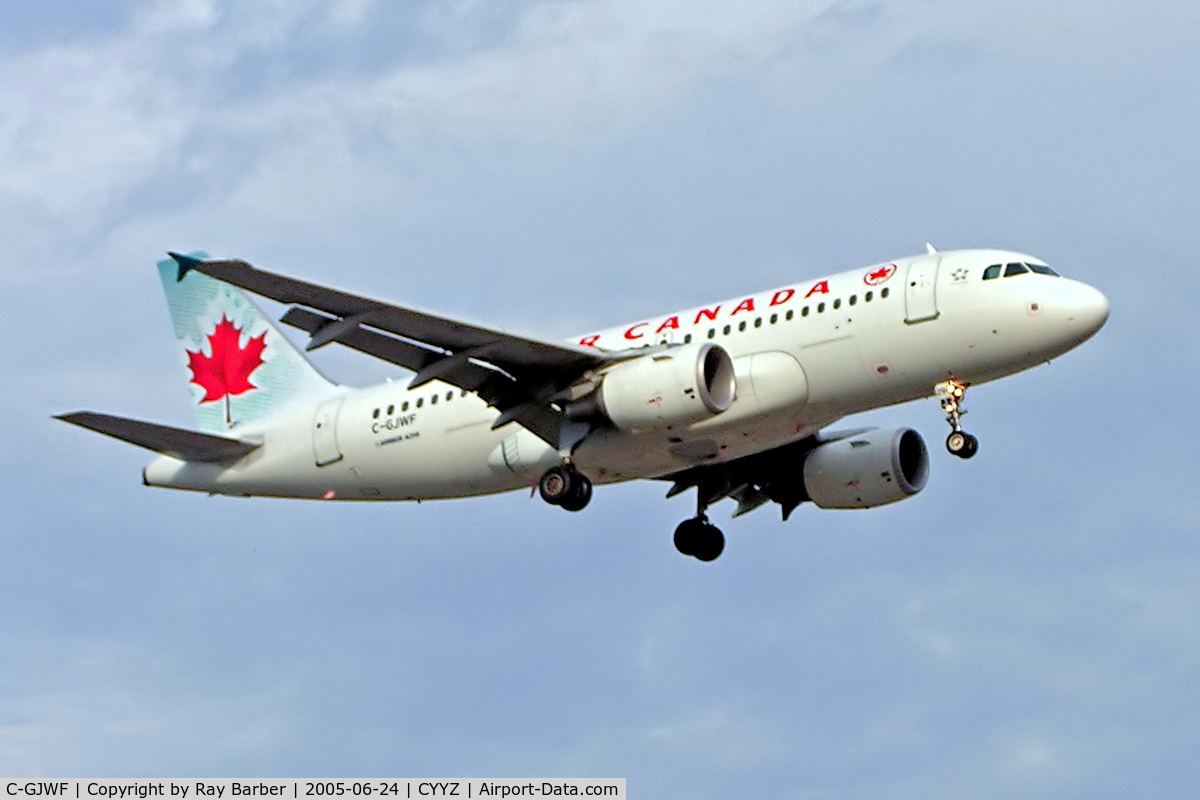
175, 442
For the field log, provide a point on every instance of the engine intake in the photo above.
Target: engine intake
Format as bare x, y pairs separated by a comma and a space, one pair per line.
675, 387
869, 469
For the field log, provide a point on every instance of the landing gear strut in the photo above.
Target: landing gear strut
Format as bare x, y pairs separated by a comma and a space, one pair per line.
959, 442
565, 486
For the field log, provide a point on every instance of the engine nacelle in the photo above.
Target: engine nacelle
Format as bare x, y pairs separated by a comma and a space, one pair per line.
674, 387
869, 469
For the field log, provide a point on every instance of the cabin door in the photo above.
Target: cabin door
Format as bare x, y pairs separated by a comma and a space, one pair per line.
325, 442
920, 289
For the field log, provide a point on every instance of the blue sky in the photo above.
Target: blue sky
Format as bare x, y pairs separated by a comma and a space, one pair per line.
1026, 626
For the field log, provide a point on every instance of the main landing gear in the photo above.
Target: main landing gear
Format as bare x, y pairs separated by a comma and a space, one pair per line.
959, 442
565, 486
700, 538
697, 537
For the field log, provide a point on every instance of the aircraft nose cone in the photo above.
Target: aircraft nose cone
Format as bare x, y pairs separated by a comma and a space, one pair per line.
1093, 309
1087, 311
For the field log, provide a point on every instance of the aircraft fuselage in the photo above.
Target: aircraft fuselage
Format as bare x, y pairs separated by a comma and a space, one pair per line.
805, 355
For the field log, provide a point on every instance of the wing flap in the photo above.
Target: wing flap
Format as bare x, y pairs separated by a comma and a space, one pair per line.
417, 357
753, 480
175, 442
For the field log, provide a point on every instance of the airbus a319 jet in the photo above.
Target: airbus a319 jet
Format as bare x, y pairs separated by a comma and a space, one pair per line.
731, 399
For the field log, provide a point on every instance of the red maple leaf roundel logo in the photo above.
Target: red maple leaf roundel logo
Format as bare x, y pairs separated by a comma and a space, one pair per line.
878, 276
227, 371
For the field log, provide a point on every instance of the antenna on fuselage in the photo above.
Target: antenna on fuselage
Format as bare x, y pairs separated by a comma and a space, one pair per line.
930, 249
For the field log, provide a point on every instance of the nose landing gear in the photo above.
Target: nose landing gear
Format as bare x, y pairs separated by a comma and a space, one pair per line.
959, 442
565, 486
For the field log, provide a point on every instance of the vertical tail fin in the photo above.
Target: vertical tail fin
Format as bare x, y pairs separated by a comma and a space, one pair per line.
240, 367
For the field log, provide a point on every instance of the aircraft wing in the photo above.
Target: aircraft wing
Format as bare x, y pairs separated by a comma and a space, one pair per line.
175, 442
755, 480
520, 377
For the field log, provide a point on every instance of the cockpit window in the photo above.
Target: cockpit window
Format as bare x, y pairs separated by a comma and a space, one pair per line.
991, 272
1015, 268
1041, 269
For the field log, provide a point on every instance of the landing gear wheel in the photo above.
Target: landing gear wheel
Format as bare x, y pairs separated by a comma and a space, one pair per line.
962, 444
712, 543
555, 485
565, 486
688, 535
699, 538
579, 495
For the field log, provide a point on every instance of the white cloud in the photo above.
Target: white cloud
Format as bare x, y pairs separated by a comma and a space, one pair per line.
176, 17
86, 123
577, 71
349, 13
193, 86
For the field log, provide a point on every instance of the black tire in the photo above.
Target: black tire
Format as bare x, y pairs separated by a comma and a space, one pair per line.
556, 484
580, 494
711, 543
688, 535
971, 447
956, 442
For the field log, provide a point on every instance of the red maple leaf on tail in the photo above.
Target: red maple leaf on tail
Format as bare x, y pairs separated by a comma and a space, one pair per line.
227, 371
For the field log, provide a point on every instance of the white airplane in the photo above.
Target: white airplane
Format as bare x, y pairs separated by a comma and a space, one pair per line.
729, 399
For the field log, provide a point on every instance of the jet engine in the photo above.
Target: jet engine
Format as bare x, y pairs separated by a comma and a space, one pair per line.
663, 390
868, 469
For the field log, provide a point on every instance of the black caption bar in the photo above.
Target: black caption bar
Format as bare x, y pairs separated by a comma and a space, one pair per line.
296, 789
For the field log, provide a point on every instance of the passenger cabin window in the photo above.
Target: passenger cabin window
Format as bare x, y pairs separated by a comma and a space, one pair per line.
991, 272
687, 339
1015, 268
1042, 269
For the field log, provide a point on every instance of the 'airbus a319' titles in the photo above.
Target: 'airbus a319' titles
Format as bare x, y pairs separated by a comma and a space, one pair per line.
733, 399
